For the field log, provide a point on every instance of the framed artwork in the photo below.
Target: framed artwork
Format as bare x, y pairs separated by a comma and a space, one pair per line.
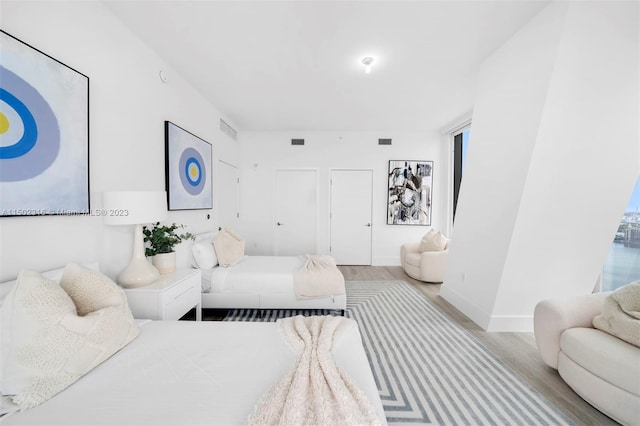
44, 133
410, 191
188, 170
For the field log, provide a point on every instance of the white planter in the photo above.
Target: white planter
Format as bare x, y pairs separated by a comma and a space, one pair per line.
165, 262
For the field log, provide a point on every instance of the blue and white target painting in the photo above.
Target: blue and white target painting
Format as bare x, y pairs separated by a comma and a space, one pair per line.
44, 133
188, 170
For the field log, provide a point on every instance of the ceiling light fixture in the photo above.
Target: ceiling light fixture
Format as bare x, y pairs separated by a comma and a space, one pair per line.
367, 64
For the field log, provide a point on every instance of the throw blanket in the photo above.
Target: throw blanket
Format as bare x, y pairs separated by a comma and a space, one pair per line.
621, 314
314, 392
318, 277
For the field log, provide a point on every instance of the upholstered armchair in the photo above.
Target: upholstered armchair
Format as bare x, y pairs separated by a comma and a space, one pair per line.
425, 263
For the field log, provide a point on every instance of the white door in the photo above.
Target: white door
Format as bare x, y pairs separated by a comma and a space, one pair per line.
351, 216
296, 212
228, 195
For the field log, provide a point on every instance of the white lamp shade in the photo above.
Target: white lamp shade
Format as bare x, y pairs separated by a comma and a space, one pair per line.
134, 207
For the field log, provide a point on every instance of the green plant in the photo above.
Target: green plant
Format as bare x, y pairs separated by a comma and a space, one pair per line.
163, 238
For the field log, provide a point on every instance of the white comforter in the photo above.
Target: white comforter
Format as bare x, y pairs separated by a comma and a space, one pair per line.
254, 274
186, 373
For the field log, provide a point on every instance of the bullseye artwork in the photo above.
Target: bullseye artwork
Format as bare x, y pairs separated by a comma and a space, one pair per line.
44, 133
188, 170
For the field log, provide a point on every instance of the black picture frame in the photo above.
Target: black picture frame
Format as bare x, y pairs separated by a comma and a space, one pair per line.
44, 133
188, 169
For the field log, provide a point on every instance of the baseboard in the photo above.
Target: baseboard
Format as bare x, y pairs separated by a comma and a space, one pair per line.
512, 323
386, 261
488, 322
466, 307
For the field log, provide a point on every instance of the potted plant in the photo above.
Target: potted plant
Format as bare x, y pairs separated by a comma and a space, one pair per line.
162, 239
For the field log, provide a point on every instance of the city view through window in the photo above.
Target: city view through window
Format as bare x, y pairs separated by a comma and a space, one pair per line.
623, 262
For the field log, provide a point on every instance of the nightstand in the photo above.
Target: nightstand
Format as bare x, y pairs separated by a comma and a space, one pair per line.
169, 297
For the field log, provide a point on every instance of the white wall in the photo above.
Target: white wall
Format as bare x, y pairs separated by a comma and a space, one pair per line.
552, 161
128, 106
264, 152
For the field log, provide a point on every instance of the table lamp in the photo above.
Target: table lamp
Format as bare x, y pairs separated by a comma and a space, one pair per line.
135, 208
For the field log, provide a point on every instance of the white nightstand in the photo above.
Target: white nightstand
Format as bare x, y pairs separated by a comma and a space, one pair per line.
169, 297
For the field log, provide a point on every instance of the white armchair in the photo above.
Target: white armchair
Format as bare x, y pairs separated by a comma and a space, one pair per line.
598, 366
428, 266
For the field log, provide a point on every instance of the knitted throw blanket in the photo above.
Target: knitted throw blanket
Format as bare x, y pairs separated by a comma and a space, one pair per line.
314, 391
319, 276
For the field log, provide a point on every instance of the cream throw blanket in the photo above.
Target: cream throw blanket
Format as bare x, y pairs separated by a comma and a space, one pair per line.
314, 391
318, 277
621, 314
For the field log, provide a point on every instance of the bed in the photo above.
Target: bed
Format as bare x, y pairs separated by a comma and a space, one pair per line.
260, 282
188, 373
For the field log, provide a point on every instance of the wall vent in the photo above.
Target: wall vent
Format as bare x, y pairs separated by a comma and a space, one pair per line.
297, 141
384, 141
228, 130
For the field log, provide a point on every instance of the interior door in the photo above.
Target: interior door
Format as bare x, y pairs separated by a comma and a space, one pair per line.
228, 195
351, 216
296, 212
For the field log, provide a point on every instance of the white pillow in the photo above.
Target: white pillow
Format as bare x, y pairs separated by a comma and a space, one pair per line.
204, 254
91, 290
620, 314
229, 247
50, 346
433, 241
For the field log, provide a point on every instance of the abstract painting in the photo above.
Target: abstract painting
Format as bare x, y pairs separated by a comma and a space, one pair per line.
188, 171
410, 191
44, 133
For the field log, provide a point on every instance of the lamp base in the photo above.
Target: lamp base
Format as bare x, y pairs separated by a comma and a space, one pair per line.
138, 274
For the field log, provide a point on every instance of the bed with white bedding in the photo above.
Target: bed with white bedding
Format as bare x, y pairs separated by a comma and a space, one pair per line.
260, 282
188, 373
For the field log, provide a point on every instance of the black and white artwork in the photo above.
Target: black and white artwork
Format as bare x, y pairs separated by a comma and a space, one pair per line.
410, 190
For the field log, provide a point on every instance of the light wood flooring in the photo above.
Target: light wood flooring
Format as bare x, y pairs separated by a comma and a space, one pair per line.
518, 350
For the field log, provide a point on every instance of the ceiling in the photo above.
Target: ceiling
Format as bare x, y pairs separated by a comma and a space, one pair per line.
296, 65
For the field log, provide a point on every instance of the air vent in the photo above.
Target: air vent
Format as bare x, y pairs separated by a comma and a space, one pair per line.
384, 141
297, 141
228, 130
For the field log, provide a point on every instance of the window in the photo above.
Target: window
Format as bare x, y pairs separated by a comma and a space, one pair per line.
623, 263
460, 145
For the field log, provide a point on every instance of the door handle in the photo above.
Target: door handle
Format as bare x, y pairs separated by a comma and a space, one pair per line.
368, 225
279, 224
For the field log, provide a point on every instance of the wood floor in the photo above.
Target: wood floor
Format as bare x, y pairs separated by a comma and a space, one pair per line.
518, 350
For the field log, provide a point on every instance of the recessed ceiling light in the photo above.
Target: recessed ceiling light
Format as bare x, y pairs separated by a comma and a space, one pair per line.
367, 64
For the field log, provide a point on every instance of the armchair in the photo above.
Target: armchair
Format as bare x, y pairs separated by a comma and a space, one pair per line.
428, 266
603, 369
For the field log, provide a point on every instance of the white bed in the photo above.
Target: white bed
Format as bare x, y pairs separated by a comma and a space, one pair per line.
189, 373
260, 282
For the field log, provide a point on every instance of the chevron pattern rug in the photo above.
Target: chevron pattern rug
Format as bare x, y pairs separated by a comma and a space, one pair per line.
428, 369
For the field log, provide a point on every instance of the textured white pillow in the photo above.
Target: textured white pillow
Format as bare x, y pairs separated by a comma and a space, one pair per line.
50, 346
433, 241
91, 290
229, 247
620, 315
204, 254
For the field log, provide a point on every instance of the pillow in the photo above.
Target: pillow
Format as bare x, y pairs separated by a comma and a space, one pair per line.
433, 241
204, 254
620, 314
91, 290
229, 247
50, 346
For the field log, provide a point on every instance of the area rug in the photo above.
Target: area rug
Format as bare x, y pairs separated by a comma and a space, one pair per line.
428, 369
